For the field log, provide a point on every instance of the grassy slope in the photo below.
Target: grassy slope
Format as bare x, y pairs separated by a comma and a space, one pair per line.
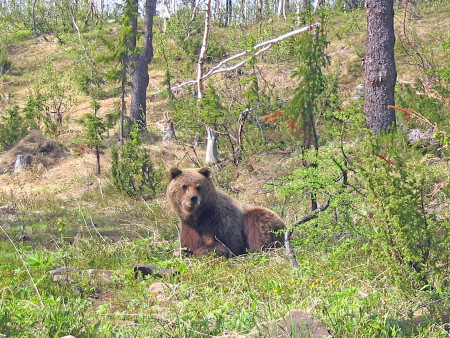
344, 287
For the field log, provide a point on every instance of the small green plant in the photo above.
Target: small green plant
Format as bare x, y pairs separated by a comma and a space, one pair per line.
95, 128
132, 169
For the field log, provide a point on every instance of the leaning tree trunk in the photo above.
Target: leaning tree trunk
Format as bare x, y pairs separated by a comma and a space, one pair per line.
139, 69
379, 66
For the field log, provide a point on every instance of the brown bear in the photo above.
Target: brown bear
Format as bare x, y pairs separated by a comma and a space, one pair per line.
212, 221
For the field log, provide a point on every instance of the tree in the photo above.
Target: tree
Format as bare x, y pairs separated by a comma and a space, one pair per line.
139, 64
379, 66
94, 131
211, 146
311, 98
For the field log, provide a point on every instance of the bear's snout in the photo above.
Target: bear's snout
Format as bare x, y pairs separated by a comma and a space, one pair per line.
191, 203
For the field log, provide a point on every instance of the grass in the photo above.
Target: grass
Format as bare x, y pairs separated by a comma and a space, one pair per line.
342, 284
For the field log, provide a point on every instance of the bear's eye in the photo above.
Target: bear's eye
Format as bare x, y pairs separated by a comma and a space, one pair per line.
184, 187
199, 188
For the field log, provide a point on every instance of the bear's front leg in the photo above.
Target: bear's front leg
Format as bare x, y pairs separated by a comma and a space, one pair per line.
212, 245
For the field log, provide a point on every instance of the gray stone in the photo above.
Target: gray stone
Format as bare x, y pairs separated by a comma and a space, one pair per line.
64, 270
152, 270
415, 135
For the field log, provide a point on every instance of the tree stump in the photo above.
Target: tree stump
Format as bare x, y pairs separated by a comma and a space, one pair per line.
21, 162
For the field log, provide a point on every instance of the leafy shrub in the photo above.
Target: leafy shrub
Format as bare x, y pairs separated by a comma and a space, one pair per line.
132, 169
5, 63
12, 127
318, 176
405, 232
50, 100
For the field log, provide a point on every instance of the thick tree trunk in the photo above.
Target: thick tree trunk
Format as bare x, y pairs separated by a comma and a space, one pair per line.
139, 69
139, 83
379, 66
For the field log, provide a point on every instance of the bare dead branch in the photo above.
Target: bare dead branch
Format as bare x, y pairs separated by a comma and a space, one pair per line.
288, 233
259, 48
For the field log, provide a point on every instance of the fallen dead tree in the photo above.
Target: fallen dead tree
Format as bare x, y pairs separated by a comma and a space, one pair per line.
224, 65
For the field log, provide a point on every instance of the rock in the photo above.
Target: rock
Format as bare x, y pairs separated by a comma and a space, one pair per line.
359, 93
64, 270
157, 289
296, 323
416, 135
147, 269
63, 279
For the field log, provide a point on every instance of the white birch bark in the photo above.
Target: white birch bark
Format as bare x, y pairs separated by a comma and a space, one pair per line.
203, 50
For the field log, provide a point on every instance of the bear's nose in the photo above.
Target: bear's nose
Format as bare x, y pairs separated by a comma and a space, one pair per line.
194, 199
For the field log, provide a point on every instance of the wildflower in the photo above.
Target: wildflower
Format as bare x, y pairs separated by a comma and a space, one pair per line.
276, 291
331, 281
317, 281
313, 286
293, 280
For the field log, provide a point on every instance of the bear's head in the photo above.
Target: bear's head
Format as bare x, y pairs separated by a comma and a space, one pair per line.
190, 190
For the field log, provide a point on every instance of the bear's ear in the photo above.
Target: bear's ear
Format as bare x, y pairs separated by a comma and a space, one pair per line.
205, 171
174, 172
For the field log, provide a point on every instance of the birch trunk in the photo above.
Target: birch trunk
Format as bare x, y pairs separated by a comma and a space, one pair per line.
211, 143
203, 50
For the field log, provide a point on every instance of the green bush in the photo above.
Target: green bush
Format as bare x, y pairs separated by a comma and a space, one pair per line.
132, 169
5, 63
12, 127
405, 231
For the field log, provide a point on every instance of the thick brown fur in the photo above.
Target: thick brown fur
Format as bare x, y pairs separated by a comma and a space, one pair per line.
212, 221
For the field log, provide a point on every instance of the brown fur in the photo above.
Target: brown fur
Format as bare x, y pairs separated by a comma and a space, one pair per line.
212, 221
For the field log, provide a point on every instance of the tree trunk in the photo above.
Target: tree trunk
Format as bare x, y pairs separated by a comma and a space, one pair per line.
139, 83
229, 12
97, 153
211, 144
123, 107
379, 66
33, 16
203, 50
139, 68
